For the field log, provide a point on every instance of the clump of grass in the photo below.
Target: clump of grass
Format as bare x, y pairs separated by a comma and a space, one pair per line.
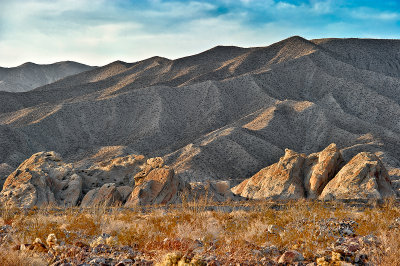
15, 258
233, 235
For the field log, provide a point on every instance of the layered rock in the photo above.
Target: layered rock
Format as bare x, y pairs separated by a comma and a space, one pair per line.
364, 177
281, 181
320, 168
107, 195
43, 179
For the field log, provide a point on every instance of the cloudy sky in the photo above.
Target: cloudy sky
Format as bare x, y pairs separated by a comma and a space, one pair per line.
98, 32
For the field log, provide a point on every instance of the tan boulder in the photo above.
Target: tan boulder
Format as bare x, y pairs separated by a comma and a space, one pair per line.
282, 180
120, 170
364, 177
156, 184
160, 186
106, 195
320, 168
43, 179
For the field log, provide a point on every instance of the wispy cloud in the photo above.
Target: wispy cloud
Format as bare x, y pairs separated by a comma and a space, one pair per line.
100, 31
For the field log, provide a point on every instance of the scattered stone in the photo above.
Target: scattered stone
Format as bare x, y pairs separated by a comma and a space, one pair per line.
290, 256
51, 240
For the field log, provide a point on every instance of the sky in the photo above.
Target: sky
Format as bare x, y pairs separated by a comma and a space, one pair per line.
98, 32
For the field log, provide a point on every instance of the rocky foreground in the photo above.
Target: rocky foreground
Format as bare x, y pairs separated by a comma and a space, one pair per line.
305, 233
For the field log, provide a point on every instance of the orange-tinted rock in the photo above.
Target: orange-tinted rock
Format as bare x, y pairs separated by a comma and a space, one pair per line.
159, 186
320, 168
43, 179
282, 180
364, 177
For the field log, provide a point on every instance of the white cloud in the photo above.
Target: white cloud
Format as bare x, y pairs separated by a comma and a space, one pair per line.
284, 5
322, 7
98, 32
365, 13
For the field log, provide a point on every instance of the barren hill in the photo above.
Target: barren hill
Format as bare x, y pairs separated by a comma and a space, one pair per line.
221, 114
29, 75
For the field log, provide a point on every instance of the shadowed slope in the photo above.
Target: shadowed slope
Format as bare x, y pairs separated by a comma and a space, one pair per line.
29, 75
221, 114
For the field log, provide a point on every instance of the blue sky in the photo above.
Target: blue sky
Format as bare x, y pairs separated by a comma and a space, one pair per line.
98, 32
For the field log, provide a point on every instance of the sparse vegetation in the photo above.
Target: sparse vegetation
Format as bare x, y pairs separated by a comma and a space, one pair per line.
236, 232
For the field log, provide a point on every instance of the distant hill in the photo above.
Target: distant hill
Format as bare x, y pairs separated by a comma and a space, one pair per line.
222, 114
29, 75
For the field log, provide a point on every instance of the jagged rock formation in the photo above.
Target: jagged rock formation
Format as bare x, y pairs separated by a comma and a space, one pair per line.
219, 115
319, 175
42, 180
364, 177
156, 184
282, 180
320, 168
29, 75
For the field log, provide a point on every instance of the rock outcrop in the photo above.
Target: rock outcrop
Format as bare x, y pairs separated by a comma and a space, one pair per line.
107, 195
364, 177
156, 184
120, 170
320, 168
41, 180
280, 181
323, 175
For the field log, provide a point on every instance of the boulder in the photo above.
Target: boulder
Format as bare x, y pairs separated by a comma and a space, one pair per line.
156, 184
290, 257
160, 186
41, 180
320, 168
120, 170
106, 195
280, 181
364, 177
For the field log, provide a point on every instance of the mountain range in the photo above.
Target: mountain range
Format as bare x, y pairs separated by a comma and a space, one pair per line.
223, 114
30, 75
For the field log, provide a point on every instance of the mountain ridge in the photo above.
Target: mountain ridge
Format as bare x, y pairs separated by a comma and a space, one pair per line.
29, 75
222, 116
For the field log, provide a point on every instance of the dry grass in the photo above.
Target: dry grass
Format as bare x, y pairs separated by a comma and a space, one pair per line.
14, 258
230, 235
